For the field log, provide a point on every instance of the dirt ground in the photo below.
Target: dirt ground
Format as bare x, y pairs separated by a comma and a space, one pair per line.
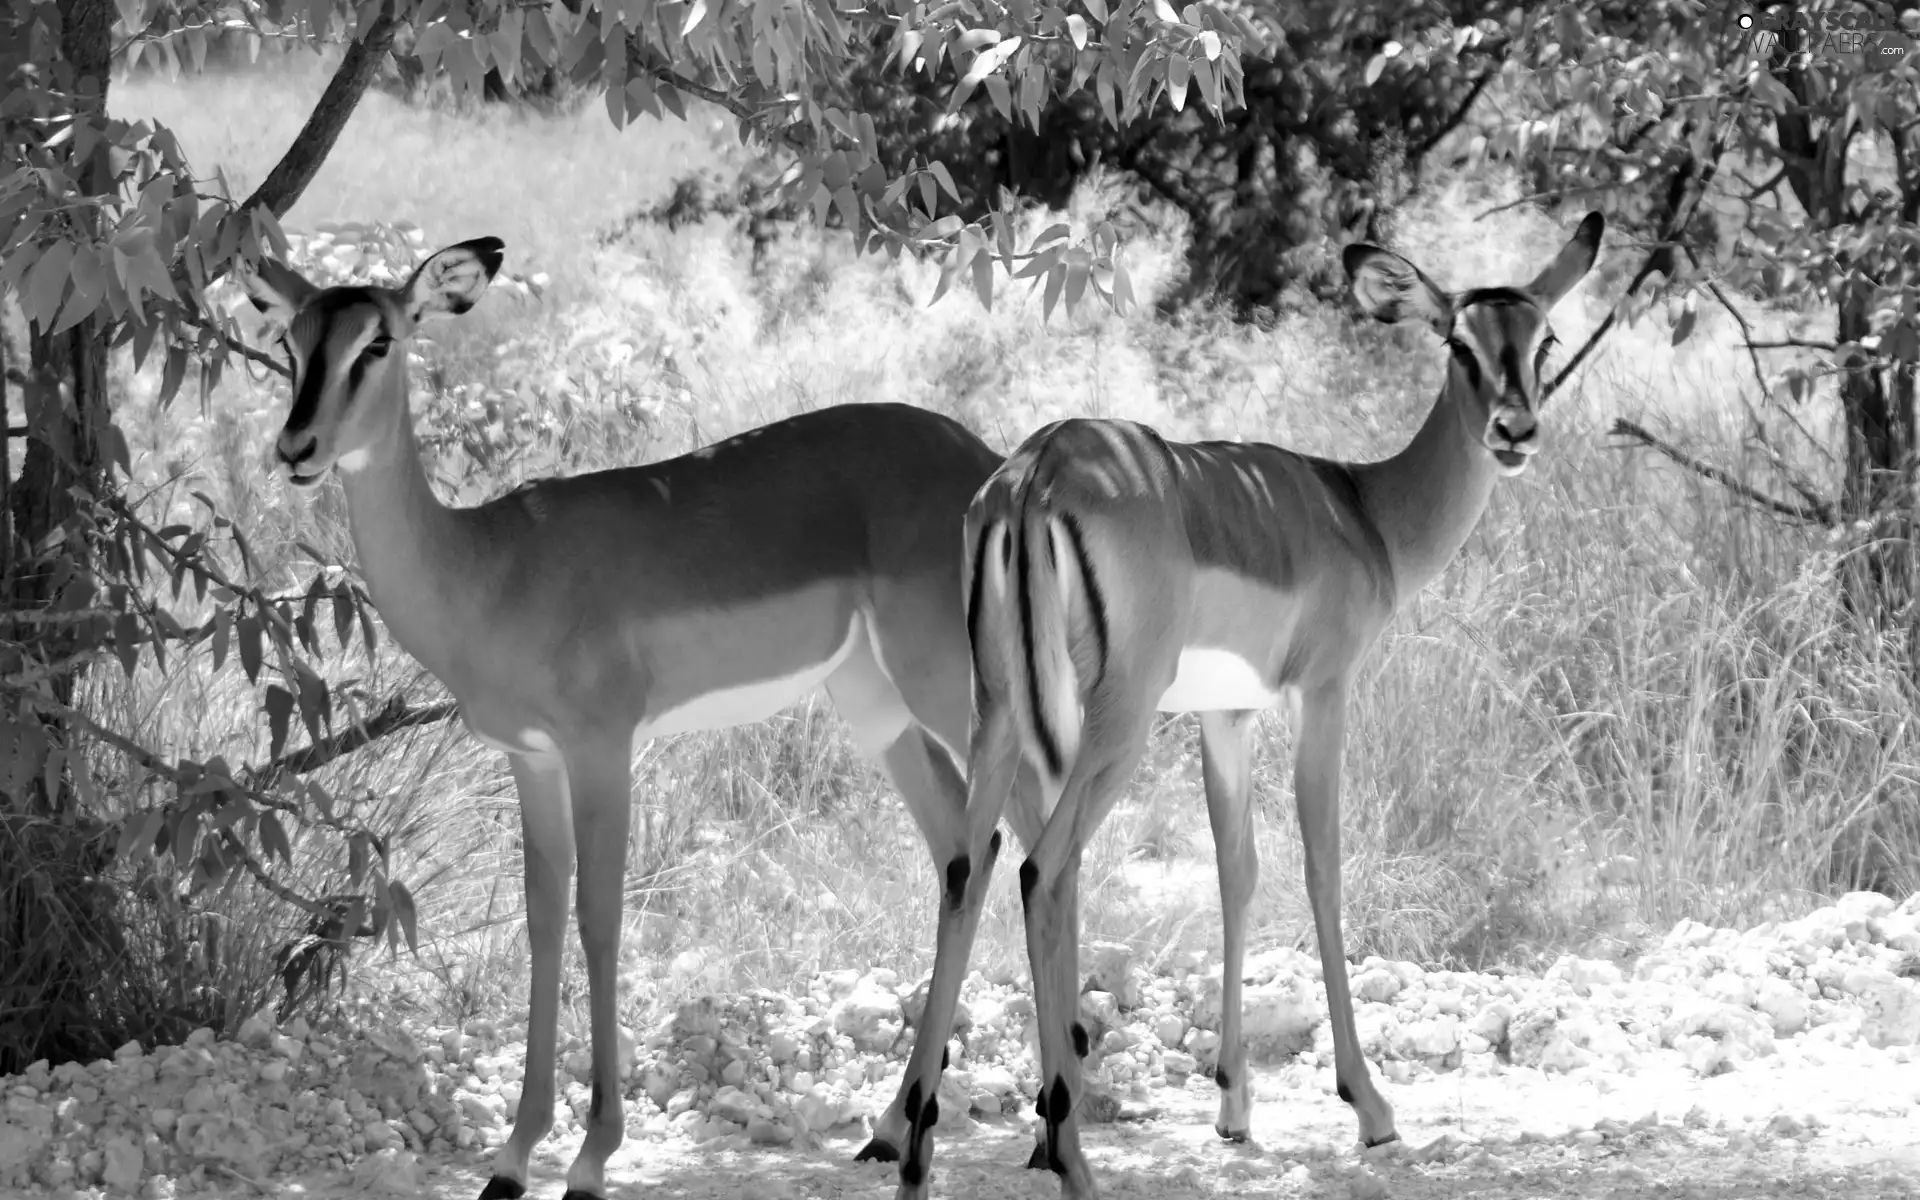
1764, 1131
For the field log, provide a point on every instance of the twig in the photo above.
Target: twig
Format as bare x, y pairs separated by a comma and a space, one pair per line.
1823, 515
1555, 194
395, 716
1760, 190
638, 61
1659, 259
1459, 114
1793, 344
1760, 380
235, 345
260, 876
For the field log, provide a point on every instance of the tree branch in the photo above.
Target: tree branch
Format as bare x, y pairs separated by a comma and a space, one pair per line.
640, 62
1661, 257
1460, 114
290, 176
1556, 194
1759, 190
395, 716
1793, 344
1818, 516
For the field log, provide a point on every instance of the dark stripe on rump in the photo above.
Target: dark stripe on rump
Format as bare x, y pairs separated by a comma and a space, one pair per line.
1097, 602
1049, 748
973, 599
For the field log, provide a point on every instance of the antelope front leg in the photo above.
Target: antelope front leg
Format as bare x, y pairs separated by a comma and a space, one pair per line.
1316, 789
546, 837
1226, 765
601, 787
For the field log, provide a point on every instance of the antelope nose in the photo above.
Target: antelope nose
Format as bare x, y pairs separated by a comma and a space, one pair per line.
1515, 426
295, 447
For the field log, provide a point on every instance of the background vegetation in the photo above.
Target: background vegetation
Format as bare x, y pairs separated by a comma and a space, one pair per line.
1652, 686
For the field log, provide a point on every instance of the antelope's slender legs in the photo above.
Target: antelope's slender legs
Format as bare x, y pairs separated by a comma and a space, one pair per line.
1226, 764
600, 775
1323, 720
963, 897
546, 834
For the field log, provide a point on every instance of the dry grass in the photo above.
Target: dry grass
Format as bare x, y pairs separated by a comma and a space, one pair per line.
1626, 702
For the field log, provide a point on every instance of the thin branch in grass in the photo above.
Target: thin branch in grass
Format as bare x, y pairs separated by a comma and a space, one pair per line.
396, 715
1822, 515
1805, 489
1794, 344
261, 876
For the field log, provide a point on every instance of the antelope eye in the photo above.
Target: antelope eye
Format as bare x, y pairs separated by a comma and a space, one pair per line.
378, 347
1468, 361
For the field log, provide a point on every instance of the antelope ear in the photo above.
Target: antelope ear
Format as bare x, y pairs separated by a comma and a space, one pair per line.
453, 280
1571, 265
1391, 289
275, 289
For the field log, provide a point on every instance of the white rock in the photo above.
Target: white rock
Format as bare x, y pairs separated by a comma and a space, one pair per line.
391, 1172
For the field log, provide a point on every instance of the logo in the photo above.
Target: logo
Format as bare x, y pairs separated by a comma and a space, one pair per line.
1879, 40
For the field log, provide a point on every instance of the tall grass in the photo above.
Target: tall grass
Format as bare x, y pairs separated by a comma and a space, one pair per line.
1629, 700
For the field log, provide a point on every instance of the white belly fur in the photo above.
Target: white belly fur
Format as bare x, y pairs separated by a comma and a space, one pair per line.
1211, 679
749, 702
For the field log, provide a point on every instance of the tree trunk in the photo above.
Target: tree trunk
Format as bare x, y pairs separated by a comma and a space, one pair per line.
65, 397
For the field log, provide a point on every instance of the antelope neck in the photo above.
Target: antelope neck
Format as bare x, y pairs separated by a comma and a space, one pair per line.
1425, 500
419, 556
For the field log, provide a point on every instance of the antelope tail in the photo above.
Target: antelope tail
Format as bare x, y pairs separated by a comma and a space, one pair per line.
1032, 605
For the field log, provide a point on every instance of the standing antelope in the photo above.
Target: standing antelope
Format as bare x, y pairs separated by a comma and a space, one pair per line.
1112, 574
573, 616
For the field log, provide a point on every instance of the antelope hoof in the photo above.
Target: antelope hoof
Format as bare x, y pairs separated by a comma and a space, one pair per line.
1387, 1140
502, 1188
577, 1194
1231, 1135
877, 1150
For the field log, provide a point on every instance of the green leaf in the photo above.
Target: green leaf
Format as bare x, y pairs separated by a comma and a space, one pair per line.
222, 633
273, 838
1077, 30
983, 280
1684, 325
1078, 268
250, 656
47, 283
1178, 73
939, 170
1056, 279
405, 913
174, 373
1098, 8
279, 706
126, 641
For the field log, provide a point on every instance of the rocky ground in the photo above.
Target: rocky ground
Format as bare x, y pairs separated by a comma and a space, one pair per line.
1722, 1064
